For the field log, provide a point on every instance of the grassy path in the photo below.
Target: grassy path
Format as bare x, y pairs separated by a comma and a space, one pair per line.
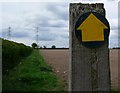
32, 74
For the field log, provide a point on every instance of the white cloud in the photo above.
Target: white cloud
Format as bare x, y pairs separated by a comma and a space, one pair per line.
25, 40
0, 19
113, 23
52, 20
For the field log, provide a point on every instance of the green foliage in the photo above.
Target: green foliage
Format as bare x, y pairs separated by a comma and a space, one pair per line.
32, 74
12, 52
44, 47
34, 45
53, 46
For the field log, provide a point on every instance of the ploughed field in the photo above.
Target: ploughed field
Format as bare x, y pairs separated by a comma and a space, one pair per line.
59, 60
114, 55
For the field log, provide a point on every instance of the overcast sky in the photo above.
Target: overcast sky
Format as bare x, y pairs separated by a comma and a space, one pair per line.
51, 18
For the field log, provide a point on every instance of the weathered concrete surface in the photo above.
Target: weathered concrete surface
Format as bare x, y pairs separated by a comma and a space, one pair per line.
81, 57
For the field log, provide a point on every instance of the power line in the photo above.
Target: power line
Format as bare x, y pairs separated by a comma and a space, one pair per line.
9, 33
37, 37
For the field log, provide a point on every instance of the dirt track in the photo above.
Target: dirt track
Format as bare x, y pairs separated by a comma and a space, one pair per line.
59, 59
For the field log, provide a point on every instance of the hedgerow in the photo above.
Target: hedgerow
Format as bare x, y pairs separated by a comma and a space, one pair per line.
12, 52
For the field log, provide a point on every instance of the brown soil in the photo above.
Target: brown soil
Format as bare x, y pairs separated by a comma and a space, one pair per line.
59, 59
114, 67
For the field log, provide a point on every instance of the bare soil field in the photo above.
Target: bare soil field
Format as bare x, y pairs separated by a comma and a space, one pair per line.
59, 60
114, 67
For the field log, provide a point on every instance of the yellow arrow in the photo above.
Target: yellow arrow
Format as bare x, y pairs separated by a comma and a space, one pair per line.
92, 29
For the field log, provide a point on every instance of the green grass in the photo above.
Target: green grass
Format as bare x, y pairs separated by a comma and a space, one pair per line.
32, 74
115, 91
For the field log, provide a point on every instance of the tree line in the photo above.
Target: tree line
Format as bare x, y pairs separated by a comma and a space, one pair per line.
34, 45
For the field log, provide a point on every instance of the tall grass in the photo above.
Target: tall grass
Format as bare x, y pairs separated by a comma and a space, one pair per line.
32, 74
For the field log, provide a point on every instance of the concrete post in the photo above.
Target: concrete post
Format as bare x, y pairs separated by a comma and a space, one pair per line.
90, 69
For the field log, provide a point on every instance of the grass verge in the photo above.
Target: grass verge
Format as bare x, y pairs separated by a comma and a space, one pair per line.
115, 91
32, 74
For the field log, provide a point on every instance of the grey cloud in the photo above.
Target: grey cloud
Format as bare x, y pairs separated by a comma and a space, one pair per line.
52, 34
113, 42
60, 10
20, 34
4, 34
50, 23
47, 37
39, 22
114, 28
14, 33
66, 36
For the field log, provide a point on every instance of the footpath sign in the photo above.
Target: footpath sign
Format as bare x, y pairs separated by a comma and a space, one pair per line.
92, 29
89, 36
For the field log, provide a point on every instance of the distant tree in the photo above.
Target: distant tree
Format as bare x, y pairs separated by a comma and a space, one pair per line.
40, 46
53, 46
34, 45
44, 47
116, 48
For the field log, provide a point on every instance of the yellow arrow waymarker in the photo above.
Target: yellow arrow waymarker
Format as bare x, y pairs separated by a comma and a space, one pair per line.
92, 29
